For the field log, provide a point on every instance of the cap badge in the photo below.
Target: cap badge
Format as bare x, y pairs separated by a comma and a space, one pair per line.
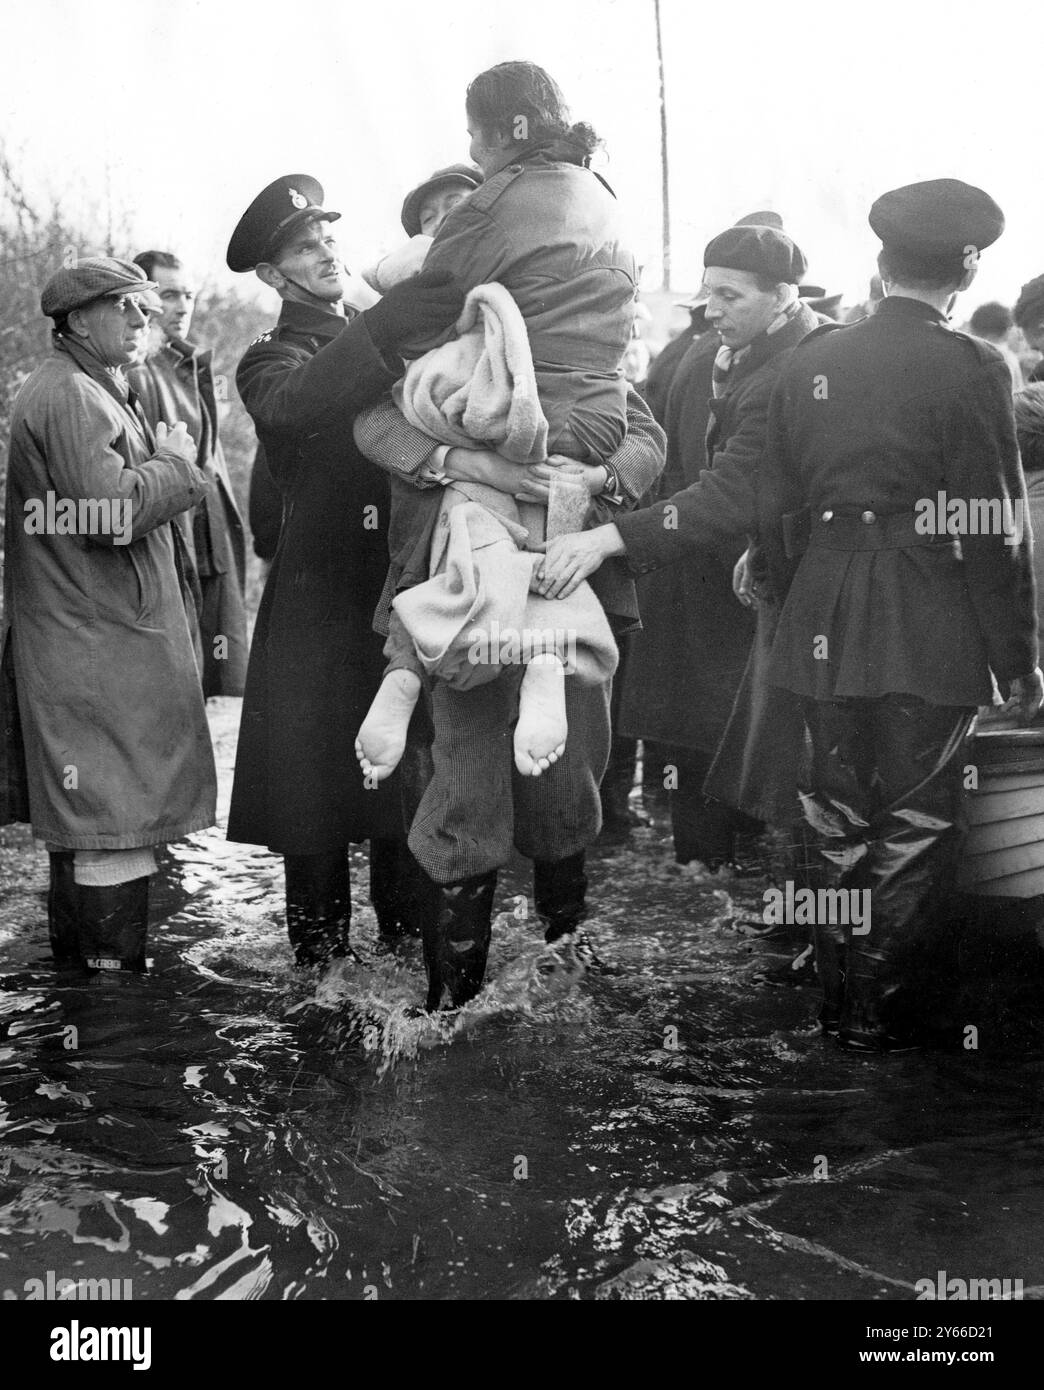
298, 199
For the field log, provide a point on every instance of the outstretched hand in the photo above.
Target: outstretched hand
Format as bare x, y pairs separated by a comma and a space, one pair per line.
568, 560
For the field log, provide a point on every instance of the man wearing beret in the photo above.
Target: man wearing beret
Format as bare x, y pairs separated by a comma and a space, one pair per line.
751, 277
316, 662
108, 721
890, 631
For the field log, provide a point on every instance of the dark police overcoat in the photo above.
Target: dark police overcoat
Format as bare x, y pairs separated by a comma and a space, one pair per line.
868, 424
316, 662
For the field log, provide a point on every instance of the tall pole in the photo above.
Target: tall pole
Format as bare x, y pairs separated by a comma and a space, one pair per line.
666, 213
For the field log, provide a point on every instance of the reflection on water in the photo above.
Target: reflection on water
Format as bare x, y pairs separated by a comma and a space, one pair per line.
663, 1125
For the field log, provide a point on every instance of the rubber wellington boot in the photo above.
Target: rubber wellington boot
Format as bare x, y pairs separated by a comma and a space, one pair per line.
63, 916
829, 953
318, 906
456, 939
113, 925
868, 1018
397, 889
559, 894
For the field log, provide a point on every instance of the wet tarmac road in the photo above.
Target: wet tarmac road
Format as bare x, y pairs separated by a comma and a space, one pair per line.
666, 1125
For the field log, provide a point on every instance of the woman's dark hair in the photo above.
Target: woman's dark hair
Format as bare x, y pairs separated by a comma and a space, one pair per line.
921, 272
523, 101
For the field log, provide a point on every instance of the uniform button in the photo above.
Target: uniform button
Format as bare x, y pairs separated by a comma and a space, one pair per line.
869, 518
515, 169
828, 516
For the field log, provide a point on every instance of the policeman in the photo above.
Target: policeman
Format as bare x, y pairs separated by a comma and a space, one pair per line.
316, 663
896, 613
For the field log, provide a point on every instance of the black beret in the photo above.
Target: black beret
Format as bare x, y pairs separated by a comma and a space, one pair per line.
940, 217
1030, 301
453, 173
759, 250
272, 216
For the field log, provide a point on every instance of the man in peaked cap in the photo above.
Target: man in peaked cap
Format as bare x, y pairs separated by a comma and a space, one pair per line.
316, 662
889, 635
700, 526
98, 650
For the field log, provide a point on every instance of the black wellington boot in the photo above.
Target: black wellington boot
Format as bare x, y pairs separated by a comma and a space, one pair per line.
318, 906
559, 894
828, 946
63, 912
113, 925
457, 933
398, 886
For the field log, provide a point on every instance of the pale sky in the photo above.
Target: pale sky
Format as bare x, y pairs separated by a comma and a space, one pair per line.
177, 112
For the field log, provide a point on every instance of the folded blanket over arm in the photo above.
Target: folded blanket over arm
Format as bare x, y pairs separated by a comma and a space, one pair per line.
480, 388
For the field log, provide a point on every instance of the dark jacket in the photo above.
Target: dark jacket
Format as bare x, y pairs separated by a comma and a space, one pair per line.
265, 508
113, 726
664, 369
872, 418
316, 663
176, 383
718, 510
686, 663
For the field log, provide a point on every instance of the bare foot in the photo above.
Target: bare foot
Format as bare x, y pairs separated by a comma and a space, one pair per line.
382, 738
540, 733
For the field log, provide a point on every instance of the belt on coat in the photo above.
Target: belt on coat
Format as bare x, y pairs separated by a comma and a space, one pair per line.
869, 530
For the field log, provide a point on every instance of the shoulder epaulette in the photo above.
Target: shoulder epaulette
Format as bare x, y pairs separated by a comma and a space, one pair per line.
487, 193
985, 352
820, 331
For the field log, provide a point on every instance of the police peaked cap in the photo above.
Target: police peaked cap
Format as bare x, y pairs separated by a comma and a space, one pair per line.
276, 212
940, 217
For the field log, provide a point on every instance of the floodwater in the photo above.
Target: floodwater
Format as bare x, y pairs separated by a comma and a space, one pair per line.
663, 1125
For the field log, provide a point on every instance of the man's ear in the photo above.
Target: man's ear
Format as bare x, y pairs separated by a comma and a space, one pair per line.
270, 275
78, 323
968, 276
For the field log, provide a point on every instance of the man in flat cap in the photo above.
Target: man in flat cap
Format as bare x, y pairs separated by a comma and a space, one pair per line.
98, 648
176, 382
896, 614
316, 662
751, 278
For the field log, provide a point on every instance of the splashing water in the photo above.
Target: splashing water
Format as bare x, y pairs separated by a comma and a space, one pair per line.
374, 1001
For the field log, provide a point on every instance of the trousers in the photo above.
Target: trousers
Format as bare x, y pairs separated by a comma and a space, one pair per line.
476, 806
886, 805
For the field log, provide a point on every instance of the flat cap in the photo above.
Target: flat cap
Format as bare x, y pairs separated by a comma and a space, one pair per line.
92, 277
453, 173
1030, 302
760, 250
276, 212
940, 217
